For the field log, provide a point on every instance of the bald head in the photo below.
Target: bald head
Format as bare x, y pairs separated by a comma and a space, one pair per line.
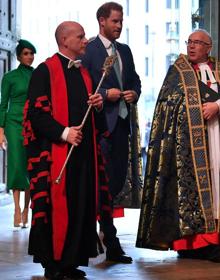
70, 37
64, 29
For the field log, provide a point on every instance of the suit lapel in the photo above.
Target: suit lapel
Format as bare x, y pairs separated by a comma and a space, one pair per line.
102, 56
101, 47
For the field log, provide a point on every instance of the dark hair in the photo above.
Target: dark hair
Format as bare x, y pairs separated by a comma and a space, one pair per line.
105, 9
22, 44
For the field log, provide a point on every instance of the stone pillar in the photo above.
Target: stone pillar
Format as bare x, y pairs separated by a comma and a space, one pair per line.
209, 12
8, 38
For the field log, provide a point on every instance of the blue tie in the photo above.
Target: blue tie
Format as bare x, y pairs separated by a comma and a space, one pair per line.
123, 111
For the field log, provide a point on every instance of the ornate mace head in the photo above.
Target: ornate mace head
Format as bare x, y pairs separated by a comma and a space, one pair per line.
108, 63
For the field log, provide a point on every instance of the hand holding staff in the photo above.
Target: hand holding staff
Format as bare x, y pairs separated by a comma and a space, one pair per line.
109, 62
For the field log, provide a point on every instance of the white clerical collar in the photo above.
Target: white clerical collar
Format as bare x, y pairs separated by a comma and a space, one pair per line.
76, 63
203, 63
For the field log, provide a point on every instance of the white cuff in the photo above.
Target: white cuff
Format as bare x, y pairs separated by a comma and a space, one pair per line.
65, 133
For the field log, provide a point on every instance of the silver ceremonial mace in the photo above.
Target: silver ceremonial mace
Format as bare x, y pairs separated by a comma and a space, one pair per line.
108, 63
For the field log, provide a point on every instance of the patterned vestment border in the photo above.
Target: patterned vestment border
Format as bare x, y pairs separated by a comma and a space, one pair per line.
197, 139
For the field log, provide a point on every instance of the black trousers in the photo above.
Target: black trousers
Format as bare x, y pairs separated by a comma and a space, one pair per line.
115, 151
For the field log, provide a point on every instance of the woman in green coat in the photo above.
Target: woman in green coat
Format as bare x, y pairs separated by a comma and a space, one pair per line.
14, 89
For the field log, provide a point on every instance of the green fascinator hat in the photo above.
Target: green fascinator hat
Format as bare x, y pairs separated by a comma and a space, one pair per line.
22, 44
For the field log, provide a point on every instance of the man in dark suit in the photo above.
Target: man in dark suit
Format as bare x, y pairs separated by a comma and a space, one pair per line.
121, 88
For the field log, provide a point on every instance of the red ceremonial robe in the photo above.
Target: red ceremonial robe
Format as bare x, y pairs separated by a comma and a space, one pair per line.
57, 193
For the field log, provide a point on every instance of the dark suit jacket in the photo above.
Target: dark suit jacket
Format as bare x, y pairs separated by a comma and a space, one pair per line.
93, 60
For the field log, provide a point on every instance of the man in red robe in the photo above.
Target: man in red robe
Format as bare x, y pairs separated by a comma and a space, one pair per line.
63, 234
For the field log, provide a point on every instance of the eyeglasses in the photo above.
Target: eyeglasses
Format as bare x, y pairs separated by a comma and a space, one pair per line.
197, 42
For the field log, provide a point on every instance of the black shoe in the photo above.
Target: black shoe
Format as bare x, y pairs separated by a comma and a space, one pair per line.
74, 273
119, 258
53, 275
210, 252
214, 253
189, 254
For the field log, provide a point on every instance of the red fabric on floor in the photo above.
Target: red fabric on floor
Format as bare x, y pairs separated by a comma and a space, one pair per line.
196, 241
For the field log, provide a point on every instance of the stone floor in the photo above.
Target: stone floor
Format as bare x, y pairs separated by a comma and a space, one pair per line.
15, 264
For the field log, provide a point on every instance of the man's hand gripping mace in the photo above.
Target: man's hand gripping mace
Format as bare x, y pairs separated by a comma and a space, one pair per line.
109, 62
